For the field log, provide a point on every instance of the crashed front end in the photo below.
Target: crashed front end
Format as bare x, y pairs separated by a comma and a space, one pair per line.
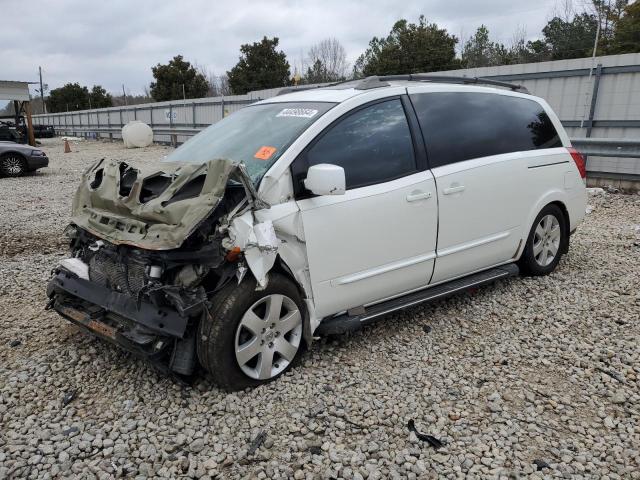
148, 248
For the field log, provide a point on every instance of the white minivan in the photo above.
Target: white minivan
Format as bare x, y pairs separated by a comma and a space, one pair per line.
316, 212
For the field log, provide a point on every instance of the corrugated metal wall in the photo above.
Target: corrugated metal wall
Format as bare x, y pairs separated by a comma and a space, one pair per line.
571, 86
597, 98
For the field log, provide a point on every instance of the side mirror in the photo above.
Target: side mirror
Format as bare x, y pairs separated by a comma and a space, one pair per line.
325, 179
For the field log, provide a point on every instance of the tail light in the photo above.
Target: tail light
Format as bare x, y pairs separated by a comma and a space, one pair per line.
579, 160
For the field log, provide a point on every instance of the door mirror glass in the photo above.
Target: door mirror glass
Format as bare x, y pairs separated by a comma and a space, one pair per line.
325, 179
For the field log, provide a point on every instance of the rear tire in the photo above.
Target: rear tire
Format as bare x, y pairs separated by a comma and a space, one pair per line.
547, 241
251, 337
12, 165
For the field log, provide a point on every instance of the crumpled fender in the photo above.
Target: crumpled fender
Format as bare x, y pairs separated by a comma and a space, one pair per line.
259, 243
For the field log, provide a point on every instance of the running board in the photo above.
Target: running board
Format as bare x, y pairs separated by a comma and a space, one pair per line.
349, 323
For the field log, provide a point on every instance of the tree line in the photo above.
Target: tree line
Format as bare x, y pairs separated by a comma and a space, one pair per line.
408, 48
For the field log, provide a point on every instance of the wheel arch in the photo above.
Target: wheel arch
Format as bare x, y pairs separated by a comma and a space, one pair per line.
281, 267
567, 224
553, 197
558, 199
13, 152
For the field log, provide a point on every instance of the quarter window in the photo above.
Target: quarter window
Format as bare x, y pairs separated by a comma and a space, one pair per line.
373, 145
462, 126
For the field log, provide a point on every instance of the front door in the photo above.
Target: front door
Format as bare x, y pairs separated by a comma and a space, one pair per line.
378, 239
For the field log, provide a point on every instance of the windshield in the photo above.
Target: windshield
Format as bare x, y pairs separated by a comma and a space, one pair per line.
256, 135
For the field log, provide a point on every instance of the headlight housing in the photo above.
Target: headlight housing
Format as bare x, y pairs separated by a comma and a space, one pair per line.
38, 153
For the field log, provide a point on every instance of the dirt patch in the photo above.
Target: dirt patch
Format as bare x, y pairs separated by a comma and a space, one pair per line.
39, 243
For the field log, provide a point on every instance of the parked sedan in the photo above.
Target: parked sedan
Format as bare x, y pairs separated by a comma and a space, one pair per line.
9, 133
44, 131
17, 159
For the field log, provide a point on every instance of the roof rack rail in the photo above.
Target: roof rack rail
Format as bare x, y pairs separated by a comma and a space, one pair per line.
285, 90
301, 88
380, 81
375, 81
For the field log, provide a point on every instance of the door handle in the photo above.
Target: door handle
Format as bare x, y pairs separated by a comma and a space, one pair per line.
414, 197
452, 190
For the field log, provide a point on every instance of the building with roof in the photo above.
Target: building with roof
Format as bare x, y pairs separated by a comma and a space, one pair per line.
18, 92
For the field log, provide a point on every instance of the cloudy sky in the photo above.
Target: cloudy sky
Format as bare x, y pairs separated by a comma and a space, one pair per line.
117, 42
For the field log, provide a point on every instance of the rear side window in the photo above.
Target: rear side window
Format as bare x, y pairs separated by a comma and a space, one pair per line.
373, 145
462, 126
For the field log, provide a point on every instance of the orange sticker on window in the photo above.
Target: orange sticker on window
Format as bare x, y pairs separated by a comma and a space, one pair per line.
264, 153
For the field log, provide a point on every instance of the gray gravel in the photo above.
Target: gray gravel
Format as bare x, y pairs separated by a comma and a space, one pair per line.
529, 377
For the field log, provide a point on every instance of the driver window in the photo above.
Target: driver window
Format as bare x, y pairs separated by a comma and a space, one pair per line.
373, 145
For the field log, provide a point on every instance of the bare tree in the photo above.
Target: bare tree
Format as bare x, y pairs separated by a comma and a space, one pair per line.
212, 83
460, 45
518, 45
332, 57
223, 85
218, 84
565, 10
608, 13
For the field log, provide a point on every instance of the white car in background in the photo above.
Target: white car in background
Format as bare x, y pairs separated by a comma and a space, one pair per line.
318, 211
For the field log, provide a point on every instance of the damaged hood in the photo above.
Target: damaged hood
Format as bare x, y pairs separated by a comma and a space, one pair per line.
155, 207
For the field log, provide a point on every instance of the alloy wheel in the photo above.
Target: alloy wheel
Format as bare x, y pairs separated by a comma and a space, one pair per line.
546, 240
12, 165
268, 337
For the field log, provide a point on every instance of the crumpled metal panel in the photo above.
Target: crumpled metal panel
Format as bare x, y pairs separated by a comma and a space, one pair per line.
156, 224
259, 243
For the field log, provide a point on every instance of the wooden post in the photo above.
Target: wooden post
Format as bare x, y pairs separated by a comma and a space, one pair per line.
16, 109
32, 138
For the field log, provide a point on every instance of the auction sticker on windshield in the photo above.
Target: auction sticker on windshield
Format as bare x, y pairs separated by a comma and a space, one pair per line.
264, 153
298, 112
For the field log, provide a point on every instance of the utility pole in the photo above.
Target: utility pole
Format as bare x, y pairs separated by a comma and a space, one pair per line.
126, 104
595, 43
593, 65
44, 107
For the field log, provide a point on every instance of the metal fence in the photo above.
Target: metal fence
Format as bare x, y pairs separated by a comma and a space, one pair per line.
593, 97
171, 122
597, 98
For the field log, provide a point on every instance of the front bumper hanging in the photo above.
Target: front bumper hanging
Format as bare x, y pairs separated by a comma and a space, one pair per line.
156, 333
66, 287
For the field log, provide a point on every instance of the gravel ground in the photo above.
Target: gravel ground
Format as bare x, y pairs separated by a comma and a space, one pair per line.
528, 377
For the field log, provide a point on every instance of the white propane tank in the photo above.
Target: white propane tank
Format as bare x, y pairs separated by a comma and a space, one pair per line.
137, 134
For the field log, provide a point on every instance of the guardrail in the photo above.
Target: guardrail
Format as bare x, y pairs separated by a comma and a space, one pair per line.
84, 131
174, 134
608, 147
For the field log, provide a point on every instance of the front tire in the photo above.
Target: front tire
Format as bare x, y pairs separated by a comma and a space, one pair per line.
12, 165
546, 243
251, 337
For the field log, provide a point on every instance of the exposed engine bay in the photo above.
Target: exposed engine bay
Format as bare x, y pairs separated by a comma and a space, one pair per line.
150, 246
